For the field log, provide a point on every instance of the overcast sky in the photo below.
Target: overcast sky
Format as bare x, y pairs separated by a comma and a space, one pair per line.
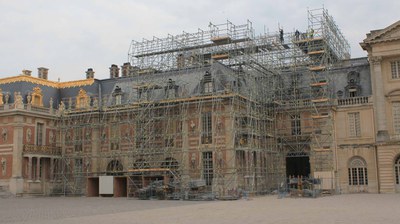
70, 36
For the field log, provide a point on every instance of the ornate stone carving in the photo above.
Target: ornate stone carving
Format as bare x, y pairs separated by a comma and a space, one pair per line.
1, 98
28, 135
3, 166
4, 134
37, 97
375, 60
18, 101
7, 98
82, 100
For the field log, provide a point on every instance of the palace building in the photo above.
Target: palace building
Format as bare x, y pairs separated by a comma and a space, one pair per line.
212, 114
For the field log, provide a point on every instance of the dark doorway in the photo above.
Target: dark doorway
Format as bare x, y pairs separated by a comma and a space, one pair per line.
298, 166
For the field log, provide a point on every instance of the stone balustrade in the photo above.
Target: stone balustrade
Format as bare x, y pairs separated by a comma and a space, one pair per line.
42, 149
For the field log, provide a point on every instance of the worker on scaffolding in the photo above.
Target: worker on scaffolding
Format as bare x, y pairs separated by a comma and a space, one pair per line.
296, 35
281, 35
311, 33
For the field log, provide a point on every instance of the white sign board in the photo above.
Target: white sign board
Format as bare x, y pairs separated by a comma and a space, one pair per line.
106, 185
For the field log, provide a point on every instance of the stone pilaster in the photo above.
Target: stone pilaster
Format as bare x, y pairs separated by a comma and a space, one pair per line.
379, 100
16, 182
96, 143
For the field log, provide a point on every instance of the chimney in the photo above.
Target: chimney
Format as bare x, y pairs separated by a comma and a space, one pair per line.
90, 73
26, 72
42, 73
126, 69
114, 71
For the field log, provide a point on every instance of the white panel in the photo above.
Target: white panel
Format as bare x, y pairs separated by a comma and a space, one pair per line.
106, 185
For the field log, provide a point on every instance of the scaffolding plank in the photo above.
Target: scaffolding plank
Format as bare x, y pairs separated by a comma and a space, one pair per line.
322, 100
220, 56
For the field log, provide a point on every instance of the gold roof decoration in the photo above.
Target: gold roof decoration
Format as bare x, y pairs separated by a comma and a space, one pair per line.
1, 97
37, 96
82, 100
59, 85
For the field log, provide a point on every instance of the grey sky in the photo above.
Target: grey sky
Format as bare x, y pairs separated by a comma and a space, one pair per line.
70, 36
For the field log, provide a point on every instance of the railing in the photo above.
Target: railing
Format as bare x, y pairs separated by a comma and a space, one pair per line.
42, 149
353, 101
395, 137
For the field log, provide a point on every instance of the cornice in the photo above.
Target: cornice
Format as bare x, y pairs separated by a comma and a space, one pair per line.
58, 85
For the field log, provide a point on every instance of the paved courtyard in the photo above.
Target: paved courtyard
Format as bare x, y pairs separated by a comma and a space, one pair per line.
353, 208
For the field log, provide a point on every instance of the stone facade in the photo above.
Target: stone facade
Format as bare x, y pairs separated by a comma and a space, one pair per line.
54, 127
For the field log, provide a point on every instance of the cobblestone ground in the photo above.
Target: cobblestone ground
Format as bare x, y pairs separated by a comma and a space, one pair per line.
355, 208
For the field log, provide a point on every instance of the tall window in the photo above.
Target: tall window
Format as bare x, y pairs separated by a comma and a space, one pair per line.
208, 171
354, 124
78, 139
207, 83
39, 133
118, 99
358, 172
396, 117
395, 66
397, 170
296, 124
206, 120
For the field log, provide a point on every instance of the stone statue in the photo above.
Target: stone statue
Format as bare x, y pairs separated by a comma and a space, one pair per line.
95, 103
3, 166
7, 97
192, 125
4, 134
18, 103
28, 135
29, 98
61, 107
51, 102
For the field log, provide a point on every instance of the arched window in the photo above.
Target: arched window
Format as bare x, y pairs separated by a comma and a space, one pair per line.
358, 171
397, 169
170, 163
114, 167
141, 164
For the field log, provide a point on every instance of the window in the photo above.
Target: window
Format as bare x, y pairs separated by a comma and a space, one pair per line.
354, 124
208, 172
78, 166
207, 83
396, 117
115, 133
118, 95
353, 92
78, 139
39, 133
240, 160
358, 172
170, 93
206, 119
397, 170
118, 99
395, 66
208, 87
296, 124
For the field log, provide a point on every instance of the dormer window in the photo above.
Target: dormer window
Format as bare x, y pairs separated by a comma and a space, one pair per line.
207, 83
353, 92
118, 95
82, 100
170, 89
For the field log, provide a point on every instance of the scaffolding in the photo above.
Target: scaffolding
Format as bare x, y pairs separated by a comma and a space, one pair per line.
210, 114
